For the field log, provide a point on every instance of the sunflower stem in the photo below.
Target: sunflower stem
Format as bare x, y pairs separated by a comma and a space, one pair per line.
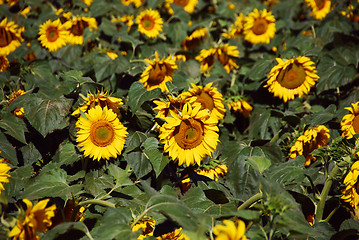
331, 214
250, 201
98, 202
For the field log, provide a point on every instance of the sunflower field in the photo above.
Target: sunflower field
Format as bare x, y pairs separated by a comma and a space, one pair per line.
179, 119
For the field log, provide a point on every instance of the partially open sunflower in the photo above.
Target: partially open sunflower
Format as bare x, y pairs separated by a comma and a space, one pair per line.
350, 192
350, 122
76, 27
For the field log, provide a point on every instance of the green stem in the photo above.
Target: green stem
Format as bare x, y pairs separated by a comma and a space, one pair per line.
98, 202
331, 214
250, 201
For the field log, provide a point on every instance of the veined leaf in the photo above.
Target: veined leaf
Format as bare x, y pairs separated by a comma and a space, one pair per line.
138, 94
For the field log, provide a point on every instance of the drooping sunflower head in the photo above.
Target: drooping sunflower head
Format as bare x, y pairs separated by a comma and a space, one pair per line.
350, 122
192, 41
230, 230
226, 55
146, 225
236, 29
53, 35
188, 5
174, 235
312, 139
209, 98
150, 23
241, 106
189, 136
4, 176
100, 134
158, 72
259, 27
76, 28
10, 36
351, 190
320, 8
100, 99
206, 58
174, 104
292, 77
4, 63
213, 170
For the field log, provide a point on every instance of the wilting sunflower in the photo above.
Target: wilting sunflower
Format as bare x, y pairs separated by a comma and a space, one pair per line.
10, 37
53, 35
292, 77
4, 63
174, 104
241, 106
350, 122
230, 230
350, 192
226, 55
206, 58
236, 29
158, 72
174, 235
146, 225
4, 176
37, 219
150, 23
100, 134
209, 98
188, 5
320, 8
213, 171
100, 99
192, 41
312, 139
76, 28
259, 27
191, 136
18, 112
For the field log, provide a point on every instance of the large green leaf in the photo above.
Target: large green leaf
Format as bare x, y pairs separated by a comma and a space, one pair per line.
96, 184
66, 227
157, 159
66, 154
7, 150
138, 94
14, 127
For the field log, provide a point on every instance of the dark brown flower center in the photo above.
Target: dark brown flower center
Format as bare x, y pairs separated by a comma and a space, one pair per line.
260, 26
148, 229
206, 100
101, 133
78, 28
148, 23
292, 76
182, 3
52, 34
209, 60
158, 73
320, 3
356, 124
6, 37
223, 58
189, 134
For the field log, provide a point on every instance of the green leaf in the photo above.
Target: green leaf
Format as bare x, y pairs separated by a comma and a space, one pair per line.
138, 94
30, 154
14, 127
259, 163
67, 154
17, 181
96, 184
7, 150
260, 69
121, 176
63, 228
155, 156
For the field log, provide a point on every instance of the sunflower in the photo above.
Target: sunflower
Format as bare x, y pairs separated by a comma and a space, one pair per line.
100, 134
259, 27
206, 58
350, 192
18, 112
292, 77
312, 139
189, 136
230, 230
4, 63
213, 171
149, 23
87, 2
174, 104
136, 3
188, 5
76, 28
209, 98
320, 8
174, 235
4, 176
241, 106
236, 29
350, 122
100, 99
158, 72
111, 55
126, 19
147, 226
65, 214
192, 41
37, 219
10, 37
225, 55
53, 35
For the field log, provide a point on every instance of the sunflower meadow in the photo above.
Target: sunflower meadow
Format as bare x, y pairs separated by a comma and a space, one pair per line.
179, 119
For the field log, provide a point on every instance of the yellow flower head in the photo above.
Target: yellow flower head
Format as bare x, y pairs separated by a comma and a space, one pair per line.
147, 226
150, 23
350, 122
100, 134
87, 2
213, 172
100, 99
230, 230
126, 19
209, 98
37, 219
174, 104
4, 63
241, 106
4, 176
18, 112
53, 35
259, 27
236, 29
312, 139
192, 41
350, 193
136, 3
188, 5
320, 8
292, 77
206, 57
174, 235
76, 28
189, 136
158, 72
10, 37
66, 213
